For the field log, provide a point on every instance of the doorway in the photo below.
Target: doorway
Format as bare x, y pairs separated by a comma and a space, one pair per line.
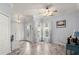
43, 29
29, 29
38, 30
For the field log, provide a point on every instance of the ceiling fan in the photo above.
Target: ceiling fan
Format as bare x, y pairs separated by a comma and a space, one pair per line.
48, 10
51, 6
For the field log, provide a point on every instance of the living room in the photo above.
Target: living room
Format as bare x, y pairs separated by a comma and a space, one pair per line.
42, 25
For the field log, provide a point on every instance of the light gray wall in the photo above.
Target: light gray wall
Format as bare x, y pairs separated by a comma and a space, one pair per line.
59, 35
77, 16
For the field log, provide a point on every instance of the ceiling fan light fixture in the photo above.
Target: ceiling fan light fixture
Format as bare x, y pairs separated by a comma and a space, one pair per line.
48, 11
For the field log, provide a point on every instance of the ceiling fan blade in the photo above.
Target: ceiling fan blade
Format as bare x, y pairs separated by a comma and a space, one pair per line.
55, 11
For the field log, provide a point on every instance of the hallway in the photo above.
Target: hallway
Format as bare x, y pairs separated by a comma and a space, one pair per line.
40, 48
37, 29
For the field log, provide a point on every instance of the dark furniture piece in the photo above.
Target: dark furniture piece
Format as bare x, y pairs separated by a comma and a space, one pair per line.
74, 49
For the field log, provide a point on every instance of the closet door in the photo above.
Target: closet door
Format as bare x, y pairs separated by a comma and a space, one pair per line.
4, 34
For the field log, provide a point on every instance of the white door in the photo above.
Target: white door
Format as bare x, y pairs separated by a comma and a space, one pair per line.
46, 31
4, 34
43, 31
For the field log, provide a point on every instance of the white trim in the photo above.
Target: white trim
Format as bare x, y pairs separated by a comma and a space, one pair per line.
3, 14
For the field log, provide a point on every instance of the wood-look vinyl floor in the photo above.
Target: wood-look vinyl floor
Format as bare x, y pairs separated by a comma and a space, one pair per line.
40, 48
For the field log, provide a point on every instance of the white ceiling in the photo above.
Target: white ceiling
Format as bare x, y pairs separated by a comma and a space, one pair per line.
31, 8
